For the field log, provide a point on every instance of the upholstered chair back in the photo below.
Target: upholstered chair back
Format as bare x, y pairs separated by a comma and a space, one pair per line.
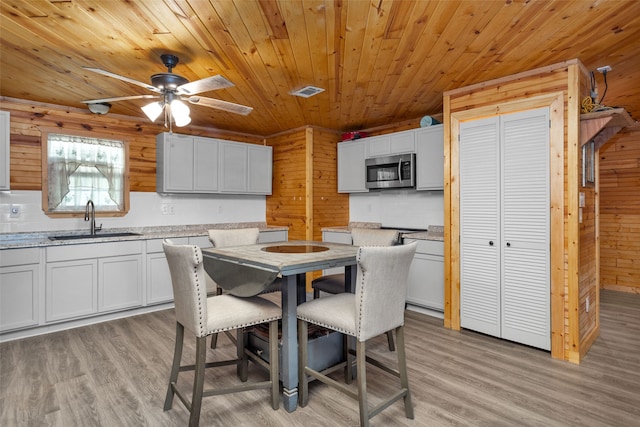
381, 288
189, 287
374, 237
234, 237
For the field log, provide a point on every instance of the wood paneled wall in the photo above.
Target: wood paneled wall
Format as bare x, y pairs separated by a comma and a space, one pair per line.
305, 190
305, 194
619, 178
28, 118
287, 204
559, 86
330, 208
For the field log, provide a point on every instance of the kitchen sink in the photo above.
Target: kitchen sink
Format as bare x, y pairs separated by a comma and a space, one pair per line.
94, 236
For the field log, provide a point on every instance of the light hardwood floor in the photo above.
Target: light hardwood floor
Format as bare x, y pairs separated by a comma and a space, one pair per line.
115, 373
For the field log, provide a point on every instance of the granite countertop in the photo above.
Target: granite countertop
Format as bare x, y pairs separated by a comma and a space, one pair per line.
433, 232
41, 239
352, 224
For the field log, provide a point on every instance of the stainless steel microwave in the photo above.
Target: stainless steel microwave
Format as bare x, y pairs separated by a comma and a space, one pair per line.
398, 171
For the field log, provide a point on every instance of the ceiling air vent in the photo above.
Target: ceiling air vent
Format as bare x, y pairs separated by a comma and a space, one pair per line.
307, 91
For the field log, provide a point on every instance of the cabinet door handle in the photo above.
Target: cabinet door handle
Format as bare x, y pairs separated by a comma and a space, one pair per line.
508, 244
490, 242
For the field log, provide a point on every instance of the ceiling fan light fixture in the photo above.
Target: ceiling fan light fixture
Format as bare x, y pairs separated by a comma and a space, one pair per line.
180, 113
153, 110
182, 121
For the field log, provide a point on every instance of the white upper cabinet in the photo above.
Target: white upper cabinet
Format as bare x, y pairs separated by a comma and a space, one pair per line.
205, 162
174, 163
351, 168
260, 163
430, 158
4, 150
245, 168
193, 164
233, 167
393, 143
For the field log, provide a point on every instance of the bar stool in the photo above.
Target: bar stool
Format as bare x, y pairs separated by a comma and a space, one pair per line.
204, 316
376, 307
221, 238
334, 283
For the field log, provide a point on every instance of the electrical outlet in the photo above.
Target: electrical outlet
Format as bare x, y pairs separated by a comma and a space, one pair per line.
604, 69
168, 209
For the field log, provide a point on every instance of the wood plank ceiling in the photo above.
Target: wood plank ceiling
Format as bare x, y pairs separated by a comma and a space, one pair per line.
379, 61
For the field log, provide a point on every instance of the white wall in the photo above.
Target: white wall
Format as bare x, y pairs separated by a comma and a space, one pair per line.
398, 208
146, 210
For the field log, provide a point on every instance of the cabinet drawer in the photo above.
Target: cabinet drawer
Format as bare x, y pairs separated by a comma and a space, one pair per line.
21, 256
94, 250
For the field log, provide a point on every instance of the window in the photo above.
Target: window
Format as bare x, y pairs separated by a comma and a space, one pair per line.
82, 168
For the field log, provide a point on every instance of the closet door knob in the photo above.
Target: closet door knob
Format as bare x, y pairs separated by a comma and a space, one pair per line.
508, 244
490, 242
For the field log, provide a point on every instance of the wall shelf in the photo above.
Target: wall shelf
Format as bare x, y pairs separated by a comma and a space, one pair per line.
602, 125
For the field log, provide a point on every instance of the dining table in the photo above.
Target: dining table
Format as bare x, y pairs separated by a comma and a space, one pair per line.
248, 270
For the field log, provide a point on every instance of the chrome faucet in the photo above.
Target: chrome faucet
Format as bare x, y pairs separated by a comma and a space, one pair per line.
90, 215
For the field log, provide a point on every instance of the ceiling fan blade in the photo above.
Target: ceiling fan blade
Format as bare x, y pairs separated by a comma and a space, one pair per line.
220, 105
119, 98
204, 85
123, 78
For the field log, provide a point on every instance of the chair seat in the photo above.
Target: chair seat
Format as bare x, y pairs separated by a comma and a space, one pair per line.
337, 312
227, 312
331, 283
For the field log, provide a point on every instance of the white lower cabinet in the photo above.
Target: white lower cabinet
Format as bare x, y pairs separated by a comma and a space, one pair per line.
44, 287
119, 282
84, 280
426, 275
159, 288
19, 288
71, 289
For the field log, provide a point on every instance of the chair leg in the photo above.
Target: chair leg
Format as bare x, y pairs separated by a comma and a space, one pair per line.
214, 341
303, 381
242, 339
402, 369
361, 362
316, 293
348, 368
392, 346
175, 366
198, 382
274, 364
214, 337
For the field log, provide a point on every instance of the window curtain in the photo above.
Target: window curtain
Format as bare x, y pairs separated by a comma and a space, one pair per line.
67, 153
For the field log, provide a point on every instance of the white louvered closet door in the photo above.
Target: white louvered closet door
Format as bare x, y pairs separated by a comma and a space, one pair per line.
504, 227
525, 228
480, 226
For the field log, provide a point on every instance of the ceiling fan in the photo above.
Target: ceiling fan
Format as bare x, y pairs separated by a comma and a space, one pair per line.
172, 90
